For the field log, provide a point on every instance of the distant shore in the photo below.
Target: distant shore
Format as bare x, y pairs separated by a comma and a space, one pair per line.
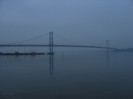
23, 53
124, 50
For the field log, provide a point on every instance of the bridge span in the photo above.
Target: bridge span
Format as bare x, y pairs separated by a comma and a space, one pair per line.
39, 45
51, 45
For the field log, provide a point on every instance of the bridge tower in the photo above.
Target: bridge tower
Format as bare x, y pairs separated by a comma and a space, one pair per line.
51, 43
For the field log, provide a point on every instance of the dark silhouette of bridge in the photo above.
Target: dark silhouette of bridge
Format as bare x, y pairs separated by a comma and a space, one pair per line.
34, 45
51, 45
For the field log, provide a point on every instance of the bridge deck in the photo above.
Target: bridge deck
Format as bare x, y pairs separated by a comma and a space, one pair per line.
33, 45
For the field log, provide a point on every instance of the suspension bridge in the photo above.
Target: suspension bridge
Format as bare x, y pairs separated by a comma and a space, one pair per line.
51, 44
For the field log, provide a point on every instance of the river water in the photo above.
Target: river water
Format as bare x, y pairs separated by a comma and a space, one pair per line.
69, 75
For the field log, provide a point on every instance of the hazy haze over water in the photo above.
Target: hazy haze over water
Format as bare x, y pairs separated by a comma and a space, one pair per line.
71, 73
88, 22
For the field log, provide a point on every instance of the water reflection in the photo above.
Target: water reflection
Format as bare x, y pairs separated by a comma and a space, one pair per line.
107, 57
81, 75
51, 64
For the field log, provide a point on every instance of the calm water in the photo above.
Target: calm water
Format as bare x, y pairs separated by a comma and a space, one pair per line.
74, 75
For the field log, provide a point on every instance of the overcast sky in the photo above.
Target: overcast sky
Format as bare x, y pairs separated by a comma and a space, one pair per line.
88, 22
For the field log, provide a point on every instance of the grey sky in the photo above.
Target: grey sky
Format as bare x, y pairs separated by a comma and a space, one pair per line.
88, 22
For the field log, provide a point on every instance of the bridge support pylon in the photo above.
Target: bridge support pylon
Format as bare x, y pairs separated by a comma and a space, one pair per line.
51, 43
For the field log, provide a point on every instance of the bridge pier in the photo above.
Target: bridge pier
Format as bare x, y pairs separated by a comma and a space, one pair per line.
107, 53
107, 46
51, 43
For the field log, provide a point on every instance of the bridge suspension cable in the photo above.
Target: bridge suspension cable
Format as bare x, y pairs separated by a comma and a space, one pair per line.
37, 37
63, 38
